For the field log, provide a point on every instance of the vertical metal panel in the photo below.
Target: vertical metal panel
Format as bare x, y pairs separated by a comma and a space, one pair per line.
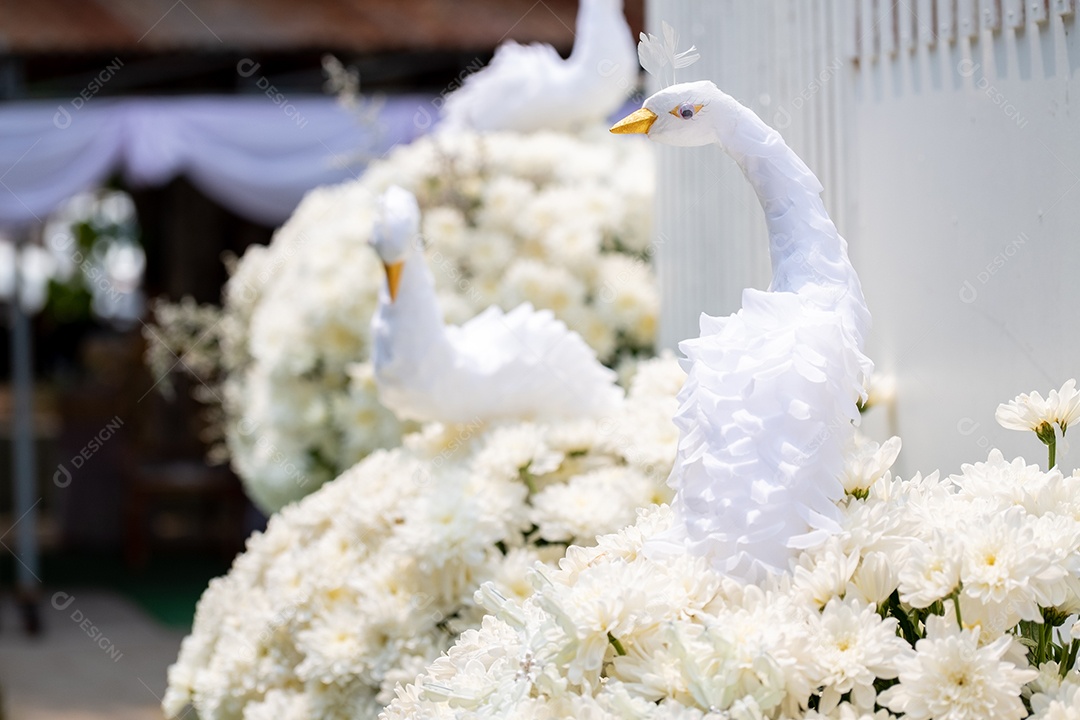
926, 23
967, 21
989, 14
847, 23
886, 27
905, 26
1014, 13
991, 260
946, 20
868, 41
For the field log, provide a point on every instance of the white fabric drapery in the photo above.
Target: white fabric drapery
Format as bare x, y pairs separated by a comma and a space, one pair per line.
252, 154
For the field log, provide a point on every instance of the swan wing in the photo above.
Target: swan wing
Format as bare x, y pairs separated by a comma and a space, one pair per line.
532, 365
766, 412
489, 98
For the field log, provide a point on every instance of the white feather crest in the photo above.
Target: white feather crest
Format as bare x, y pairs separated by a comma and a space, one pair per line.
660, 56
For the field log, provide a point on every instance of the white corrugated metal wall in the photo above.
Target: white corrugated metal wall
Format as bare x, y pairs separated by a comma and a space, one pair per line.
944, 134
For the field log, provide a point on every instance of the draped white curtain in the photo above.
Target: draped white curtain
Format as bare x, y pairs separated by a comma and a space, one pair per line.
251, 154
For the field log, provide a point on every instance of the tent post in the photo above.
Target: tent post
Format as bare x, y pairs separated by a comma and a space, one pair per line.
27, 583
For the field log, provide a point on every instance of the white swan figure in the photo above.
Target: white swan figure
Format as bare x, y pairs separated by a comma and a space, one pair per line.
770, 398
530, 87
522, 365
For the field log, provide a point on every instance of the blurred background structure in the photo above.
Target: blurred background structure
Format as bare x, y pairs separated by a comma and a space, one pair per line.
140, 143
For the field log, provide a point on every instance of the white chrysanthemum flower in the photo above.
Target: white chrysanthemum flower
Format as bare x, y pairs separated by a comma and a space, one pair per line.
593, 504
502, 199
854, 648
544, 285
1024, 412
875, 579
1032, 412
1061, 701
880, 390
588, 323
847, 711
448, 224
930, 570
867, 463
1009, 483
1065, 404
512, 451
576, 244
627, 300
1002, 565
823, 574
949, 677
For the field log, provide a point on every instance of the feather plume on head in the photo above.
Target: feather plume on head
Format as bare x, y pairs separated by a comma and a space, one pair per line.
660, 57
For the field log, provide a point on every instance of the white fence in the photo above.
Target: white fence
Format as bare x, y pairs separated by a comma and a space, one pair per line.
947, 135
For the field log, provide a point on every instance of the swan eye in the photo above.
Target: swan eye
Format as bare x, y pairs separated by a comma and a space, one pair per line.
686, 111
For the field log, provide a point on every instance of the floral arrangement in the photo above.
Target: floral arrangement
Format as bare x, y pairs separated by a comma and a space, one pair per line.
943, 598
360, 585
561, 221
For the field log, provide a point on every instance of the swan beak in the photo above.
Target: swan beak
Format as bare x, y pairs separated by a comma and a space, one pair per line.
636, 122
393, 277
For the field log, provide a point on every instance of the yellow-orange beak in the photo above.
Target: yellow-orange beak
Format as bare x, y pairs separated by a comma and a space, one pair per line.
636, 122
393, 277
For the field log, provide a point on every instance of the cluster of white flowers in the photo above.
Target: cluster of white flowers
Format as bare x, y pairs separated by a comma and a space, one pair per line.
561, 221
358, 586
941, 598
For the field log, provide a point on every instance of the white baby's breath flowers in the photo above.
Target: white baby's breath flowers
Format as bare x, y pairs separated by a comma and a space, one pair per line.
362, 584
545, 218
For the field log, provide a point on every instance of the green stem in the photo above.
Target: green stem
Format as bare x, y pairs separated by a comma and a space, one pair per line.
907, 628
619, 649
1045, 432
527, 478
1070, 658
956, 606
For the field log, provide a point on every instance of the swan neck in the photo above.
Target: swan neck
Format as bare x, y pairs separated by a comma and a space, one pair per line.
600, 28
411, 326
808, 255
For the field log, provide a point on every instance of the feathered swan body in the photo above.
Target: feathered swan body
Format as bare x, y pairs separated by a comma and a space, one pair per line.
770, 399
530, 87
524, 364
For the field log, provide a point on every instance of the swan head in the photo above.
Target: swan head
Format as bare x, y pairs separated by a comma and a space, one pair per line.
688, 115
396, 229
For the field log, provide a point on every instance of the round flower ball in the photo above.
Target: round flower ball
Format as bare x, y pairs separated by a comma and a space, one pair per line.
557, 220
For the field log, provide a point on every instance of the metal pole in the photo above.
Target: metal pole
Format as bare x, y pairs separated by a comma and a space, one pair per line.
27, 584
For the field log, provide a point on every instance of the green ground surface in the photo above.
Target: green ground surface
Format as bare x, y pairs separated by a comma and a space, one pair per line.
167, 587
